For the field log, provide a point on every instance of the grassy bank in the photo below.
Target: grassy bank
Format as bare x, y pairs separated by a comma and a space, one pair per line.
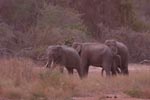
22, 79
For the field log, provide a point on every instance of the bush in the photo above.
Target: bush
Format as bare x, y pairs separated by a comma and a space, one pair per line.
36, 24
137, 42
58, 25
21, 14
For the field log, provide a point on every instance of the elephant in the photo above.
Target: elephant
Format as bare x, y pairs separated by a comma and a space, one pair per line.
95, 54
120, 49
116, 62
64, 56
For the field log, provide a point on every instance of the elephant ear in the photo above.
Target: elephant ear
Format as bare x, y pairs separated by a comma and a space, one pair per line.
112, 44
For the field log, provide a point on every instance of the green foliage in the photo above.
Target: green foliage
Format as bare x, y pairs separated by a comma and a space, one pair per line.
137, 93
134, 93
139, 25
129, 16
20, 13
56, 16
58, 25
37, 24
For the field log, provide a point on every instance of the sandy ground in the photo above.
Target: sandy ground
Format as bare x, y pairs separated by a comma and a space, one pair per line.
117, 96
132, 67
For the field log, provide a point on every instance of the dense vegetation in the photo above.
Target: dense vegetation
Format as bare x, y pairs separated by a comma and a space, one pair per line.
39, 23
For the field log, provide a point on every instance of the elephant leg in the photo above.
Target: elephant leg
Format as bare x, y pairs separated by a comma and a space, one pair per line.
70, 70
114, 71
124, 68
102, 72
85, 68
80, 72
107, 68
108, 73
125, 71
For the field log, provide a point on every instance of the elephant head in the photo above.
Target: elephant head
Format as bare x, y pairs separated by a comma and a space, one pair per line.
112, 45
120, 49
64, 57
54, 55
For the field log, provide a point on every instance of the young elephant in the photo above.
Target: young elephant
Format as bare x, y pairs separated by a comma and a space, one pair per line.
116, 63
95, 54
120, 49
64, 56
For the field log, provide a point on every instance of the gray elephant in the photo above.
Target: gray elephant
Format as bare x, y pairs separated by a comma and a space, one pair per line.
64, 56
120, 49
95, 54
116, 62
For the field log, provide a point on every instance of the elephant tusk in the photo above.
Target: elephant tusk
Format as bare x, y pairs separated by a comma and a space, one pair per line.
52, 66
46, 65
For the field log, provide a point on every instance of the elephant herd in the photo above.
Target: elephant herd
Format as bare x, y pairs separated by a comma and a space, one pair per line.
111, 56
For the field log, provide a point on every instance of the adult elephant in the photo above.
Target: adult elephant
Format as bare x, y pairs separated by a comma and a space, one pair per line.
95, 54
64, 56
120, 49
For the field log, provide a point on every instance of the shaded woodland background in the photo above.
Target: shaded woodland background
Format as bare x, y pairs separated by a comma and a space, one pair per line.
27, 27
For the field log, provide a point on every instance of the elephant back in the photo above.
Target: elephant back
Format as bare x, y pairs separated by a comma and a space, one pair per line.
71, 55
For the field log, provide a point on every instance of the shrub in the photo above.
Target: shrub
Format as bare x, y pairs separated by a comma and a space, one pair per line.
58, 25
21, 14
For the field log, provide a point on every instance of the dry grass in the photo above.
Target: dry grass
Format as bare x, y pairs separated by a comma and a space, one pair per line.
21, 79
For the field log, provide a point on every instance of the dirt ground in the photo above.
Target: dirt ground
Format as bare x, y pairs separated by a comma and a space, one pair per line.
110, 96
115, 96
